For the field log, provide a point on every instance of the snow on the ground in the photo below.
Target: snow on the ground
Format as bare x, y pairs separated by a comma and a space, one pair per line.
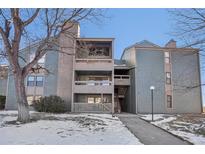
175, 125
80, 129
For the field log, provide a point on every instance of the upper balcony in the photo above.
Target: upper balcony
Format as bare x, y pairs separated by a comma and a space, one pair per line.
93, 87
122, 80
94, 54
94, 64
93, 82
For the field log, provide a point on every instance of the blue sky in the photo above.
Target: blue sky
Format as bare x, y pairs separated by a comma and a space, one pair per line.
129, 26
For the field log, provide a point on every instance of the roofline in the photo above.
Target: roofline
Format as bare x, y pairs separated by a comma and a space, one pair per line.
159, 48
96, 38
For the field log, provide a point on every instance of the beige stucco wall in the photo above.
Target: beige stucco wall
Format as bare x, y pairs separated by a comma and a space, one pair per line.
65, 64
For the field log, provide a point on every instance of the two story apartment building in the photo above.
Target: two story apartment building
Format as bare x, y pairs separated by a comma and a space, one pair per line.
88, 78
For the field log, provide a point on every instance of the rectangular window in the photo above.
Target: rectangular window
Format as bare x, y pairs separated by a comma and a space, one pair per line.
167, 57
169, 101
91, 100
168, 77
31, 81
39, 81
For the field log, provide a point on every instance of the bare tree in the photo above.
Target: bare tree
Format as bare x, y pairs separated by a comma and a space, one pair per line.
19, 27
189, 27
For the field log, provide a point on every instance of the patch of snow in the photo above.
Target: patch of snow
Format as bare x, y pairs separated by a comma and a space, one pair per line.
157, 117
180, 128
83, 129
165, 120
193, 138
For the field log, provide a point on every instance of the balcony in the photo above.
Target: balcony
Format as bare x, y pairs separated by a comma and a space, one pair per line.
93, 87
94, 64
92, 107
122, 80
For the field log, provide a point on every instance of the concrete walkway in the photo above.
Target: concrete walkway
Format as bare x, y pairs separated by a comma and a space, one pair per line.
147, 133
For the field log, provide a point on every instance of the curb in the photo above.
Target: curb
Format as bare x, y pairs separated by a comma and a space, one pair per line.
167, 131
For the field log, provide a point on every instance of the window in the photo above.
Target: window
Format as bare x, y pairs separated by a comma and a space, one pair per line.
169, 101
91, 100
94, 99
168, 77
31, 81
35, 81
39, 81
167, 57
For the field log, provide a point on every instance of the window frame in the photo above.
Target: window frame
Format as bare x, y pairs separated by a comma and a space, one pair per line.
168, 78
28, 82
167, 57
169, 101
36, 83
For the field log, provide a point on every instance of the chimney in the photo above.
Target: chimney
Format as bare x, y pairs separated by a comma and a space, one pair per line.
72, 29
171, 44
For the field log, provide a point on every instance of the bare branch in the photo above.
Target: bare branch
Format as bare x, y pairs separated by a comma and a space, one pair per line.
30, 20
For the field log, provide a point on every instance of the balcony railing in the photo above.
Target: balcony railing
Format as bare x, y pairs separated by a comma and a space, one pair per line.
94, 83
94, 64
122, 79
93, 87
92, 107
93, 60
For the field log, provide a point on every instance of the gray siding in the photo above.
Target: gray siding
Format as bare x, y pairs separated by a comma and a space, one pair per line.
3, 86
50, 81
11, 94
150, 71
185, 73
130, 97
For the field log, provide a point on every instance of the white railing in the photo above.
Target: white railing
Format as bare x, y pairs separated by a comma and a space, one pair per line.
94, 83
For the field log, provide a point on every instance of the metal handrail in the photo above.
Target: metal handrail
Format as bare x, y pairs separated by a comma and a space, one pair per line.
93, 83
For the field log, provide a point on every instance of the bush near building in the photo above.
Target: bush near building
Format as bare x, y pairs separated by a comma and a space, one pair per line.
2, 102
51, 104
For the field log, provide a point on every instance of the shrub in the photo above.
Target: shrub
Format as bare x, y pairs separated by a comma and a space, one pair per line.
2, 102
52, 104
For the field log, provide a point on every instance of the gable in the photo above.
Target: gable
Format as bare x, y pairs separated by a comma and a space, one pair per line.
145, 43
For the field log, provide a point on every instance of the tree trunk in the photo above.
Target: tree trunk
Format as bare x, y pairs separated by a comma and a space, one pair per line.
23, 109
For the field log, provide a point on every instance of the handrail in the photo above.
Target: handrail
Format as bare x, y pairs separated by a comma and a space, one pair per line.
93, 83
97, 60
121, 76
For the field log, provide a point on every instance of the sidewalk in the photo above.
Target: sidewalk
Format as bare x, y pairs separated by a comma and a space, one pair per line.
148, 133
